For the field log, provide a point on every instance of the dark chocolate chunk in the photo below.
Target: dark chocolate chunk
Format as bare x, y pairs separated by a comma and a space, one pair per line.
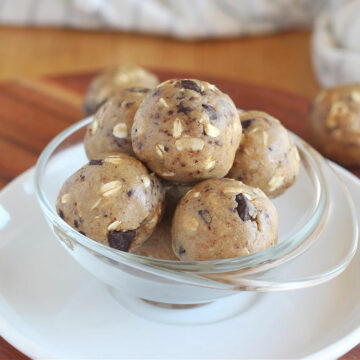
138, 90
246, 123
96, 162
191, 85
210, 111
245, 208
82, 233
120, 142
129, 104
129, 193
205, 215
82, 177
170, 112
181, 108
181, 250
76, 223
121, 240
61, 214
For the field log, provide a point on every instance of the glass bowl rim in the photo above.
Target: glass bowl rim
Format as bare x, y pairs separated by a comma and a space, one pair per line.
256, 262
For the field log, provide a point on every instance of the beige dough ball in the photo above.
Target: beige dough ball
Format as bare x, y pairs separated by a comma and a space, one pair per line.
223, 218
113, 201
335, 124
114, 79
110, 129
267, 157
187, 131
159, 244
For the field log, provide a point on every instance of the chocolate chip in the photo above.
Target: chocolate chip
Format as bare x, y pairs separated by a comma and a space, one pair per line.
245, 208
129, 104
129, 193
181, 108
170, 112
270, 148
76, 224
191, 85
166, 148
121, 240
210, 111
82, 233
246, 123
120, 142
96, 162
82, 177
61, 214
205, 215
138, 90
181, 250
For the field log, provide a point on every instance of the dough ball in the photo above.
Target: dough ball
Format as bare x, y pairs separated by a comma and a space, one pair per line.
159, 244
267, 157
335, 124
113, 201
223, 218
110, 129
114, 79
187, 131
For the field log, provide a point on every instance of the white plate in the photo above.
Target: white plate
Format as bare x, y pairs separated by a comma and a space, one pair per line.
51, 308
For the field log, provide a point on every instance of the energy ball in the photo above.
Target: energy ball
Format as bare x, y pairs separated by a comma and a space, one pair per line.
159, 244
267, 157
110, 129
335, 124
114, 201
223, 218
114, 79
187, 131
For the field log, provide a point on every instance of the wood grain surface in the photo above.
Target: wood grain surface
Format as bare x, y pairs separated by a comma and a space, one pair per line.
32, 112
278, 60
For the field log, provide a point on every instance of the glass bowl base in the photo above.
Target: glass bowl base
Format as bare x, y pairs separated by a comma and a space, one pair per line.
188, 314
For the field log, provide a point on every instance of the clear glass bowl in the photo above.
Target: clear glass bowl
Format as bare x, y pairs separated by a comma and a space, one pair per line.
305, 211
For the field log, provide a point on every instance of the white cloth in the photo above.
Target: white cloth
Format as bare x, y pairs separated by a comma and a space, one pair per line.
187, 19
336, 44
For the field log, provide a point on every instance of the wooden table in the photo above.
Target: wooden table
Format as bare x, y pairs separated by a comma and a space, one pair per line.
43, 107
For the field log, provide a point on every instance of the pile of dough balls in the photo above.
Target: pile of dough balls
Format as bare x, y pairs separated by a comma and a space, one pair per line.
175, 172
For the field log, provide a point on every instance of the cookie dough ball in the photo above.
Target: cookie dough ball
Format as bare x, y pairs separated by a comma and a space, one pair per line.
335, 124
267, 157
113, 201
111, 81
223, 218
159, 244
187, 131
110, 129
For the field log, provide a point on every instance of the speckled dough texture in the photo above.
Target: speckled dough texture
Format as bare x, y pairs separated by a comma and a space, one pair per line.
223, 218
114, 79
267, 157
114, 201
110, 129
186, 131
335, 124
